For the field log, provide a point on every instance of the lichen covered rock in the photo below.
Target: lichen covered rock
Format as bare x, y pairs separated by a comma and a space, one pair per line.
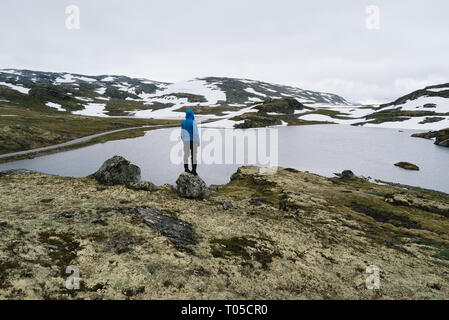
117, 170
346, 175
192, 187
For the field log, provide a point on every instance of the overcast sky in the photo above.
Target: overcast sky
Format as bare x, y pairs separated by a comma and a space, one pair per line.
317, 45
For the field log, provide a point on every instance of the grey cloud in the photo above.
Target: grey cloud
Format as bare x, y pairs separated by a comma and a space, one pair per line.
319, 45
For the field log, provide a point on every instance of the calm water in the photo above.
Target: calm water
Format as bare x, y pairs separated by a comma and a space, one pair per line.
321, 149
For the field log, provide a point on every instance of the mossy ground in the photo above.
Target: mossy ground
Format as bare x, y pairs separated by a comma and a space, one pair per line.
29, 129
292, 235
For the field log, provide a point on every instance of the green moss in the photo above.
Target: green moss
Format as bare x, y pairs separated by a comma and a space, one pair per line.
385, 215
235, 246
62, 247
246, 187
442, 254
246, 248
5, 267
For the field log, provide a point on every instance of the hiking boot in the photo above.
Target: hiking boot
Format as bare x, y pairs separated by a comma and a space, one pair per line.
186, 168
194, 170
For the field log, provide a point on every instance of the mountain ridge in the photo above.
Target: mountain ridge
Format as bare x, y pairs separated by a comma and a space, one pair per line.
72, 91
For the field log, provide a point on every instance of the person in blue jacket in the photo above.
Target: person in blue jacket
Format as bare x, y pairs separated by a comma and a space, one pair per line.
191, 139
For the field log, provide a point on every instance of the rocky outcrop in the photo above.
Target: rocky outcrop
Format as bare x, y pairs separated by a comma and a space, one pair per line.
283, 105
192, 187
429, 205
407, 165
257, 121
117, 170
179, 232
441, 137
346, 175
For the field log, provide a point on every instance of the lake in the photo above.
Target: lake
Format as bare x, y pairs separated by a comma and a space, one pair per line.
321, 149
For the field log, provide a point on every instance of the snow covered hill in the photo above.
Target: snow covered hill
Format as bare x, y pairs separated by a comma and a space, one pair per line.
228, 100
107, 95
426, 109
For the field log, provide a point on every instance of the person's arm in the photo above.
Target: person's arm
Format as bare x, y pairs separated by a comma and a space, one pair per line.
183, 131
196, 136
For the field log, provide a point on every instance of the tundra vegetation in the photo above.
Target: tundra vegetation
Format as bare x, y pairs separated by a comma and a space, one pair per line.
290, 235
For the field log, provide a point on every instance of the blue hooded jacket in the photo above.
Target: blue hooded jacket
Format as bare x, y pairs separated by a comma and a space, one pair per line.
189, 129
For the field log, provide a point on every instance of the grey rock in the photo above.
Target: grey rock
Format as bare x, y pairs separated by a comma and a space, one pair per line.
228, 206
70, 214
262, 181
346, 175
177, 231
444, 143
192, 187
213, 187
117, 170
143, 185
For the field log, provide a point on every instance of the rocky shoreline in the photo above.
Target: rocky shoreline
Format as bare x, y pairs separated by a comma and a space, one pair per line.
441, 137
290, 235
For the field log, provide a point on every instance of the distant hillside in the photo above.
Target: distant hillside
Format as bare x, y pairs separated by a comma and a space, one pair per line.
111, 95
440, 90
426, 108
232, 102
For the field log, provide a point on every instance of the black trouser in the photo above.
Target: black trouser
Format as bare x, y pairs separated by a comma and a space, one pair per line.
190, 147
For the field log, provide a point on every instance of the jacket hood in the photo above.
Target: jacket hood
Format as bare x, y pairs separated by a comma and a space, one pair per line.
189, 114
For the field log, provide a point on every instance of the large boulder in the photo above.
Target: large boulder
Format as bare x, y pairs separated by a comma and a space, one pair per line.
117, 170
282, 105
346, 175
191, 186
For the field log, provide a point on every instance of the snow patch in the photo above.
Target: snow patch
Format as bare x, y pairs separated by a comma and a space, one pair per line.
84, 99
108, 79
93, 109
101, 91
67, 78
55, 106
251, 90
15, 87
442, 104
86, 79
317, 117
